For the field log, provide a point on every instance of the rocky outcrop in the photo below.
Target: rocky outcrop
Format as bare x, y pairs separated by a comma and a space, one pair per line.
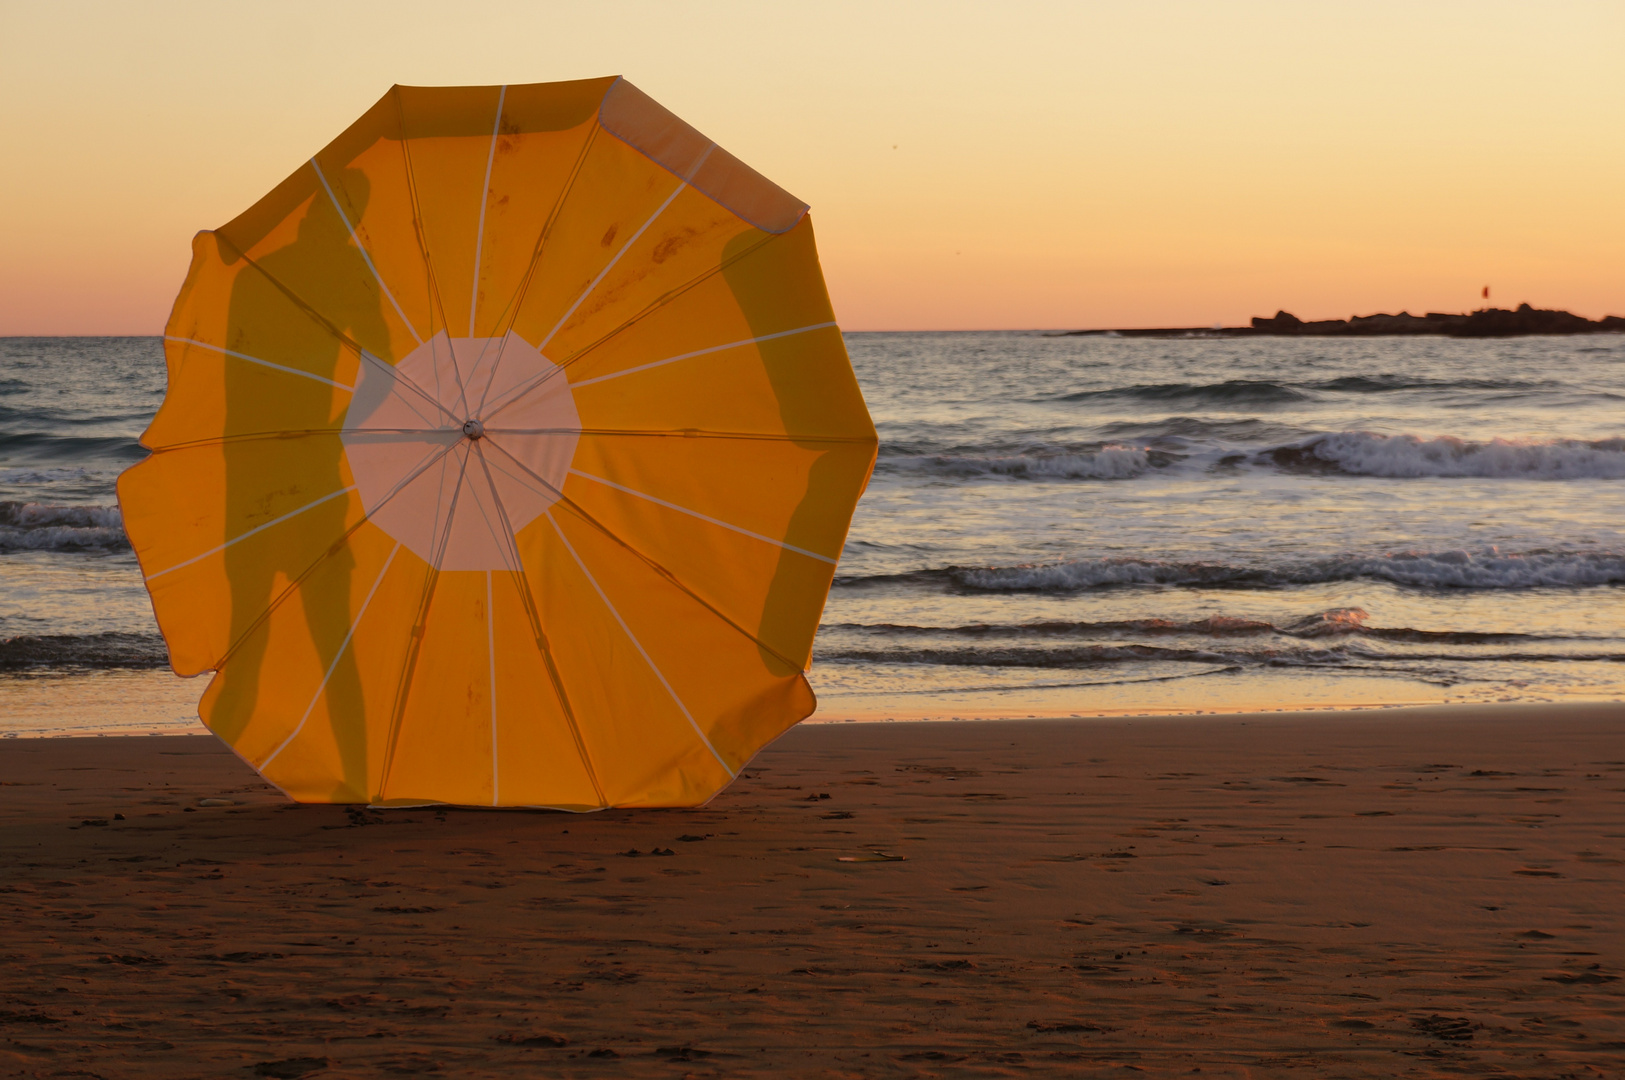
1487, 322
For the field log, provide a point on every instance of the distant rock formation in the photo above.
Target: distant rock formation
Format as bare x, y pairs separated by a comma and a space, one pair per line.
1488, 322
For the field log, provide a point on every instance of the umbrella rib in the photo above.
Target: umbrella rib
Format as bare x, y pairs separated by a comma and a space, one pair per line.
444, 541
294, 433
702, 352
505, 536
363, 249
533, 614
647, 659
485, 198
398, 379
336, 658
681, 433
496, 530
703, 517
262, 363
559, 495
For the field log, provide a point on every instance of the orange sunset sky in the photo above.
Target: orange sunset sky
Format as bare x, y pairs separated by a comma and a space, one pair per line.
994, 165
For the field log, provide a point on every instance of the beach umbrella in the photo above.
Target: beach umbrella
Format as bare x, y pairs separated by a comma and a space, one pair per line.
508, 450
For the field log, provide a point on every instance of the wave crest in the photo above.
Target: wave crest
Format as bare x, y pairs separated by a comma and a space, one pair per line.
1110, 462
1339, 655
1486, 569
1366, 453
1340, 453
112, 649
50, 527
1231, 392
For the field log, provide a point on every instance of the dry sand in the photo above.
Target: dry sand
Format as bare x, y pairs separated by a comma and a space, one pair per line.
1401, 893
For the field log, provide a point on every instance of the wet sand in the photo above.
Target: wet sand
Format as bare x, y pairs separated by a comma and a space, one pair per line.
1392, 893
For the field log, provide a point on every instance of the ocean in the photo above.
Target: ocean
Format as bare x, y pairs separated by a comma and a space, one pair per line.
1057, 525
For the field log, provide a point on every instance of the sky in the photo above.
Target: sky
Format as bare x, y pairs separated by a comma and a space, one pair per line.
969, 165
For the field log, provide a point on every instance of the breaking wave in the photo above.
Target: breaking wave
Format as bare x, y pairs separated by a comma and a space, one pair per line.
1365, 453
1284, 655
1342, 453
1486, 569
1110, 462
48, 527
1336, 622
106, 650
1232, 392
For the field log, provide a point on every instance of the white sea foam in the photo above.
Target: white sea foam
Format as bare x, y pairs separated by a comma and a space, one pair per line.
51, 527
1093, 573
110, 649
1353, 453
1487, 569
1366, 453
1108, 463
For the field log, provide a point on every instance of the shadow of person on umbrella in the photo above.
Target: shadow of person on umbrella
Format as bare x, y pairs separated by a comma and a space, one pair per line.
835, 470
313, 303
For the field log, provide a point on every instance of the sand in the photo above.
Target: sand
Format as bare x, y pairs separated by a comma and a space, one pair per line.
1395, 893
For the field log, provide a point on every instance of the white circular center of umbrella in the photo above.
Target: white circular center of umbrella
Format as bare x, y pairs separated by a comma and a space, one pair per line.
460, 446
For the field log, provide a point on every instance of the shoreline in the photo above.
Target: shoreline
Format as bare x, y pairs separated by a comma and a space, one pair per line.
1420, 711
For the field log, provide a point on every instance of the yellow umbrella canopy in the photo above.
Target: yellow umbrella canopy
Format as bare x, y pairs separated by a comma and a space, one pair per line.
508, 450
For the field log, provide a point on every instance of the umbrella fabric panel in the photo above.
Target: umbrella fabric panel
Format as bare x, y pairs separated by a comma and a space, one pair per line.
650, 734
243, 358
631, 115
735, 694
354, 223
324, 655
739, 689
340, 254
448, 163
617, 195
540, 755
278, 505
753, 349
716, 517
543, 133
644, 744
754, 585
489, 166
682, 243
241, 399
743, 391
440, 746
754, 485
